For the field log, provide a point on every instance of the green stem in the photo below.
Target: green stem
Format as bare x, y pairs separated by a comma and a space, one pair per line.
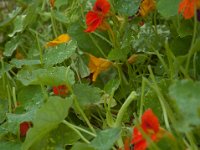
192, 142
9, 100
120, 72
3, 74
171, 66
155, 22
81, 129
53, 23
44, 93
103, 38
193, 41
160, 97
98, 47
142, 97
40, 49
124, 107
77, 131
194, 65
14, 97
76, 70
83, 114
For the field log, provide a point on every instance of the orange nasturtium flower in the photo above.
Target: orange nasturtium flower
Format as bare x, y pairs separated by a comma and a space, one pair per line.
95, 18
187, 8
151, 127
97, 65
63, 38
146, 7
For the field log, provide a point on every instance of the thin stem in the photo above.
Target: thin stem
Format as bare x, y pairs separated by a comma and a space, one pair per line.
171, 66
155, 22
194, 65
14, 96
142, 97
3, 75
77, 131
76, 70
9, 100
103, 38
193, 41
98, 47
53, 23
83, 114
44, 92
39, 47
160, 97
81, 129
124, 107
192, 142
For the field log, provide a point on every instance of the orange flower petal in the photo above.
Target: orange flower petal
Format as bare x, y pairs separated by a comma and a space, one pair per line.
93, 21
102, 6
150, 121
97, 65
187, 8
63, 38
146, 7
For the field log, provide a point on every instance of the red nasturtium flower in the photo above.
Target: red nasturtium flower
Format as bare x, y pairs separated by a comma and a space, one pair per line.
95, 17
187, 8
24, 126
151, 127
61, 90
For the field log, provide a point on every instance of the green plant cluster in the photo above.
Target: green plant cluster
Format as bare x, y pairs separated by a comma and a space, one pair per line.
164, 75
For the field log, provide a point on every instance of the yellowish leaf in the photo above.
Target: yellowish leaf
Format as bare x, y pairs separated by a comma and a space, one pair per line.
63, 38
146, 7
97, 65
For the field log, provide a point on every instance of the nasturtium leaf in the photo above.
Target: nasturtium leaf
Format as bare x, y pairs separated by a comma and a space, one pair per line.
18, 25
11, 46
47, 118
148, 39
127, 7
185, 28
167, 143
19, 63
87, 42
59, 53
82, 146
180, 46
50, 76
3, 109
63, 135
60, 17
30, 97
86, 95
57, 76
5, 68
82, 68
59, 3
185, 94
11, 17
14, 120
168, 8
10, 145
118, 54
31, 14
111, 86
105, 139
